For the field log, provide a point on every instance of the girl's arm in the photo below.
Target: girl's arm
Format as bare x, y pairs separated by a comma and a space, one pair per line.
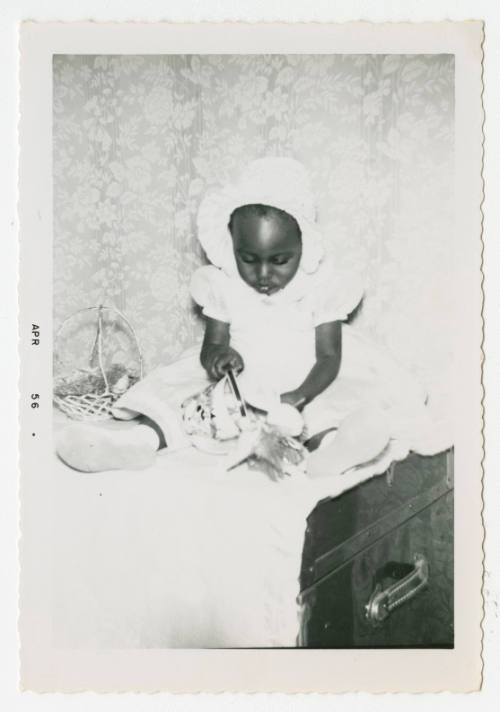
326, 368
216, 353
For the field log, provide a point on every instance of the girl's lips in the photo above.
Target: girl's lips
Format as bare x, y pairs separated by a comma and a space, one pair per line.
265, 288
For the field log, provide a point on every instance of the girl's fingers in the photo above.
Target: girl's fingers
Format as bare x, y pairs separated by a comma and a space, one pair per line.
215, 370
237, 363
219, 370
221, 364
223, 361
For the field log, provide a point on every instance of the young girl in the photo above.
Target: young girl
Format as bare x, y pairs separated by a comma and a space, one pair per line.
274, 308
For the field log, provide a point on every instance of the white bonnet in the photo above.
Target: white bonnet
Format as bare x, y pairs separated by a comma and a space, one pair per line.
278, 182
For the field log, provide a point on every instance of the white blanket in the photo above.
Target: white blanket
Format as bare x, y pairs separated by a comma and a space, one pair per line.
183, 554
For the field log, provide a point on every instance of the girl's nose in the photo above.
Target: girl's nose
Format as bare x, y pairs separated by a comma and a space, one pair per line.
263, 272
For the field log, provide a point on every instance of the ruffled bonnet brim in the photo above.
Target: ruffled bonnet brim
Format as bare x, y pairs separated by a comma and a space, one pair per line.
278, 182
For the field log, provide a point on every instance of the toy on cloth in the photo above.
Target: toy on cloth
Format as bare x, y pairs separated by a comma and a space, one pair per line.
268, 449
88, 393
219, 421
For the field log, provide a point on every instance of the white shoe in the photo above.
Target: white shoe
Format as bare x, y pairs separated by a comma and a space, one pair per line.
90, 448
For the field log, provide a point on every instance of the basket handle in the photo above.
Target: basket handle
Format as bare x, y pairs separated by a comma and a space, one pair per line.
101, 307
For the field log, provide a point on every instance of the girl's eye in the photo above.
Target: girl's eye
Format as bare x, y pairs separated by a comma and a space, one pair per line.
280, 260
247, 259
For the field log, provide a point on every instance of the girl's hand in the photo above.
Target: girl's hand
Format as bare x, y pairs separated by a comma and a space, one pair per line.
220, 358
295, 398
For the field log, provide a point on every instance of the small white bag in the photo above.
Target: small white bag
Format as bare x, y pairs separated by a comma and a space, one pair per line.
215, 418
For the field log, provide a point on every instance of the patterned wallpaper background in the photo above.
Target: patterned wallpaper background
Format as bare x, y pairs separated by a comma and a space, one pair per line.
138, 140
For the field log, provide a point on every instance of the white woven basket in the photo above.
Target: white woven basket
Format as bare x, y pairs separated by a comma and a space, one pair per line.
93, 406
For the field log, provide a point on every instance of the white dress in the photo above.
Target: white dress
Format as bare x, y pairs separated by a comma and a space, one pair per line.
275, 336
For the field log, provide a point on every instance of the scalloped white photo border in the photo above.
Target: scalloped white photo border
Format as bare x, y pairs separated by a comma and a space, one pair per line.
44, 668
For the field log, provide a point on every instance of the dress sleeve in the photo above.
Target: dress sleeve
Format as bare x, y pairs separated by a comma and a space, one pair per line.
335, 296
208, 289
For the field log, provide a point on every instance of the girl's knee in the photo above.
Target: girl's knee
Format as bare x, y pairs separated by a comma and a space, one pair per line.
361, 437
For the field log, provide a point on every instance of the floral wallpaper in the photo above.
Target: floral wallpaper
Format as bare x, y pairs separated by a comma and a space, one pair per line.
138, 140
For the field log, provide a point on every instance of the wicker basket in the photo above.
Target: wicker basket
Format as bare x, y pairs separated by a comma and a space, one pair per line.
96, 404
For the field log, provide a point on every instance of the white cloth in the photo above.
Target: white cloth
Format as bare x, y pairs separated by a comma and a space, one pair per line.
182, 554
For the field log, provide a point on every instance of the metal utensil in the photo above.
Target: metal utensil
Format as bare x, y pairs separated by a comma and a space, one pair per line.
234, 385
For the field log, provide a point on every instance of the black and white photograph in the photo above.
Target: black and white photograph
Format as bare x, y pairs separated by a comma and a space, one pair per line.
256, 306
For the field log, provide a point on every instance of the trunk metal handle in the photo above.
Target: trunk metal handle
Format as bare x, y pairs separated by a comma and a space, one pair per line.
383, 601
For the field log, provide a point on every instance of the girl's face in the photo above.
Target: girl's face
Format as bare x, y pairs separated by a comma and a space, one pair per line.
267, 250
